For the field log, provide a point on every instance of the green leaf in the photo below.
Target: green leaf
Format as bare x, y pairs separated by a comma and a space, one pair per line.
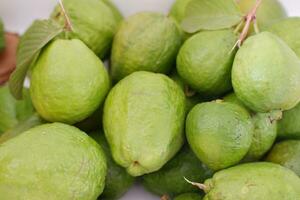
210, 15
39, 34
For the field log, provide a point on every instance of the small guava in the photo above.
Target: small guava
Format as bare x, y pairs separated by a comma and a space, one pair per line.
266, 74
205, 61
287, 154
146, 41
66, 87
95, 22
52, 161
219, 133
143, 121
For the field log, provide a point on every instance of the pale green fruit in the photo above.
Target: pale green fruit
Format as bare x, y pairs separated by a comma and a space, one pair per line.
93, 21
146, 41
259, 181
289, 126
219, 133
265, 130
269, 11
205, 61
143, 121
68, 82
287, 154
266, 74
288, 29
51, 161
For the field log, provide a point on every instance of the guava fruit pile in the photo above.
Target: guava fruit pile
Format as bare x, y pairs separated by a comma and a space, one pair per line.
203, 103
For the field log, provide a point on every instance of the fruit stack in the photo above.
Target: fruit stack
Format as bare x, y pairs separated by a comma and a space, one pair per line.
201, 103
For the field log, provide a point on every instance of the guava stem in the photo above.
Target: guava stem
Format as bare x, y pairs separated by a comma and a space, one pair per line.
199, 185
68, 24
251, 16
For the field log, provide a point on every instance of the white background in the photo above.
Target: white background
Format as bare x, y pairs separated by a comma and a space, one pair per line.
19, 14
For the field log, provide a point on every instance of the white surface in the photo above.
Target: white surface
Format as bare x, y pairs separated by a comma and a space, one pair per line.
19, 14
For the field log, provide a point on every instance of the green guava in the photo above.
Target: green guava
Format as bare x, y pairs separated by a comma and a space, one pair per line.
93, 21
287, 154
288, 29
169, 179
13, 111
52, 161
265, 130
146, 41
192, 98
143, 121
259, 181
289, 126
117, 180
189, 196
205, 60
219, 133
66, 87
269, 11
2, 39
266, 74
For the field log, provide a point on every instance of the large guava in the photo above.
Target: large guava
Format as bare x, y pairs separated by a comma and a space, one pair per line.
52, 161
68, 82
143, 121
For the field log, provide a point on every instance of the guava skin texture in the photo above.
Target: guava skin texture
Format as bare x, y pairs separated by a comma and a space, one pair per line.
169, 179
219, 133
288, 29
287, 154
268, 13
52, 161
117, 180
143, 121
188, 196
146, 41
202, 67
13, 111
259, 181
265, 130
93, 21
66, 87
289, 126
266, 74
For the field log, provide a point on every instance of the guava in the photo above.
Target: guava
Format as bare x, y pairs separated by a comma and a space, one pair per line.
265, 130
287, 154
93, 21
259, 181
146, 41
189, 196
13, 111
266, 74
289, 126
219, 133
205, 61
268, 12
288, 29
2, 39
169, 179
66, 87
143, 121
117, 180
52, 161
